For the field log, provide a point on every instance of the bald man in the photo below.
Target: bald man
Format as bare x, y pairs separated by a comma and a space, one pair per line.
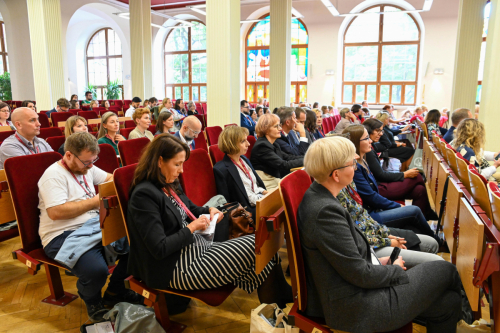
24, 141
190, 129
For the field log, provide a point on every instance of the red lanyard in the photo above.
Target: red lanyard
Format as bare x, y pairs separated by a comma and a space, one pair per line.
90, 194
180, 203
354, 195
22, 142
245, 170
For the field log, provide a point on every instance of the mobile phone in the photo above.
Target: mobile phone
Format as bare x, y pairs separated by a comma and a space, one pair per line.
394, 256
497, 157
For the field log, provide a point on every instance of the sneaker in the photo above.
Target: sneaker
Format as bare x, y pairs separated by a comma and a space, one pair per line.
96, 311
128, 296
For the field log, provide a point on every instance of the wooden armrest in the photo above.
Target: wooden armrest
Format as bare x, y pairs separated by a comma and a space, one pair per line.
295, 169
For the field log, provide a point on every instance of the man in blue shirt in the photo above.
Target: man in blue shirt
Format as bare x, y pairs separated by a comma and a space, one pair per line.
456, 117
246, 120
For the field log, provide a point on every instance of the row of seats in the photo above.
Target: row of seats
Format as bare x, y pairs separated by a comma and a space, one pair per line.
329, 123
461, 194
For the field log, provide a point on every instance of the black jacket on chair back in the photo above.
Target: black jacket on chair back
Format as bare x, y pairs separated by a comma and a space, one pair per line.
270, 159
230, 185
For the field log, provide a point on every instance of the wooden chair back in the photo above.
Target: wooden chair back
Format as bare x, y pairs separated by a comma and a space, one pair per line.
443, 174
452, 159
7, 208
451, 216
469, 249
494, 195
478, 190
463, 173
434, 174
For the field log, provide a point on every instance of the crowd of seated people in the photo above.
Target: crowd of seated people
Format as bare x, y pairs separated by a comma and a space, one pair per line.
74, 124
142, 118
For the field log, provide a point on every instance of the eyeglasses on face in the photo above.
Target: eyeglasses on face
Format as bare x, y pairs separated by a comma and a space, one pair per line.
86, 164
194, 132
277, 126
354, 165
367, 138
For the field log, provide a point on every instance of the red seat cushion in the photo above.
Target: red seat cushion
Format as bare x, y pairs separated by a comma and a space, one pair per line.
198, 179
251, 139
107, 158
44, 120
200, 142
56, 141
88, 115
126, 131
5, 135
59, 117
216, 155
213, 133
46, 133
131, 150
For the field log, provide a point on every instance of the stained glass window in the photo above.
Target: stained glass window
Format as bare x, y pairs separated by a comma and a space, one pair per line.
381, 53
186, 63
104, 61
257, 60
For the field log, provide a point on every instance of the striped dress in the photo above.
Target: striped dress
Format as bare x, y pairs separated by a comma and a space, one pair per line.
204, 266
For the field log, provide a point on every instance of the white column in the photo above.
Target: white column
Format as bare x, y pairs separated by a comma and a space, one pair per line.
141, 48
279, 53
46, 52
469, 38
488, 111
223, 62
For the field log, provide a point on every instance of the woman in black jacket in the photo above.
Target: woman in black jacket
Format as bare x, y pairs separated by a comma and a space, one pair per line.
400, 150
165, 249
396, 185
235, 176
267, 158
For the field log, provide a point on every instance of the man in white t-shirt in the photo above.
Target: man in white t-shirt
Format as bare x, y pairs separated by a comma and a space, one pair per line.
69, 207
136, 102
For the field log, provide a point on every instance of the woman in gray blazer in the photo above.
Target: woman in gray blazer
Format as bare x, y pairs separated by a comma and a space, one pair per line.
346, 283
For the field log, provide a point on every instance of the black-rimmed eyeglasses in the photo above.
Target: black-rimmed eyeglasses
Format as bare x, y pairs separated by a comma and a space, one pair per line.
87, 164
354, 165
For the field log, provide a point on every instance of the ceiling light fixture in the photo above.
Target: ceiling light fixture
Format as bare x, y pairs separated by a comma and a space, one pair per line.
426, 7
126, 16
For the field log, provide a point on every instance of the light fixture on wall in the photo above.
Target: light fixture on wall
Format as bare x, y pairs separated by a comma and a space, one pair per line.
333, 10
438, 71
126, 16
330, 72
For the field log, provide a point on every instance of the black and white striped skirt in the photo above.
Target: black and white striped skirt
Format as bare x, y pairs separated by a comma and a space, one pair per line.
232, 261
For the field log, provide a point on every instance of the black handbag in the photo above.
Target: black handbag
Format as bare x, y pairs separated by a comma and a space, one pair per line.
237, 222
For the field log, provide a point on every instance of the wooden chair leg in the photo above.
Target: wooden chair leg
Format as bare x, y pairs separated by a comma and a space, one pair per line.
57, 294
161, 313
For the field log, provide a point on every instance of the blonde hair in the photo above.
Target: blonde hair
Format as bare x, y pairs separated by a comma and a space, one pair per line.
70, 123
94, 102
266, 121
423, 106
138, 113
318, 113
104, 120
417, 109
325, 155
343, 112
470, 132
230, 138
324, 108
163, 103
382, 116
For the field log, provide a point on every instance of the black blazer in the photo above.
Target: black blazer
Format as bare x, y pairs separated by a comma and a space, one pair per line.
270, 159
156, 234
230, 185
343, 285
380, 175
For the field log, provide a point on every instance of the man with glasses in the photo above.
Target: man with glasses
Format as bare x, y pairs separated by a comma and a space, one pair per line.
191, 127
246, 120
69, 226
61, 106
24, 141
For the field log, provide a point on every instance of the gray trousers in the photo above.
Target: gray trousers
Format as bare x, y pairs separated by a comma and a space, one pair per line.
428, 248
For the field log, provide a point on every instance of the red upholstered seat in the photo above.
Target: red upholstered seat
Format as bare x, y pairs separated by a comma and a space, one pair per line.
25, 199
214, 297
85, 107
5, 135
336, 120
205, 109
43, 120
130, 124
198, 179
292, 188
56, 141
152, 129
107, 158
199, 108
111, 109
115, 109
131, 150
331, 124
213, 133
126, 131
216, 155
88, 114
251, 139
49, 132
202, 120
230, 125
200, 142
74, 112
58, 117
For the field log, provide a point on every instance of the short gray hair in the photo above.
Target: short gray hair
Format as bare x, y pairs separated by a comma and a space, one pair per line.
190, 104
323, 156
76, 143
285, 113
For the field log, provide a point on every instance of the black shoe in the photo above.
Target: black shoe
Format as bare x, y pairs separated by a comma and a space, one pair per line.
128, 296
96, 311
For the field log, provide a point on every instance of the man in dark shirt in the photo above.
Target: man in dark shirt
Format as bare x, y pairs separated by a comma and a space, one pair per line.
456, 117
61, 106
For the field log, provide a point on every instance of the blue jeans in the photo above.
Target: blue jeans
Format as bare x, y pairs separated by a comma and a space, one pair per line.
92, 270
408, 217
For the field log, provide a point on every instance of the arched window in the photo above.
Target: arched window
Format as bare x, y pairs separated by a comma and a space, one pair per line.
186, 63
257, 61
104, 61
487, 10
381, 57
3, 50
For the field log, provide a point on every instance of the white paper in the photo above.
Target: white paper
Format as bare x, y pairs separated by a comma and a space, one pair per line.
104, 327
408, 202
90, 329
211, 228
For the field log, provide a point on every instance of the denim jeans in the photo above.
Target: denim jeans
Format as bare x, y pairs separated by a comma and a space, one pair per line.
408, 217
92, 270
